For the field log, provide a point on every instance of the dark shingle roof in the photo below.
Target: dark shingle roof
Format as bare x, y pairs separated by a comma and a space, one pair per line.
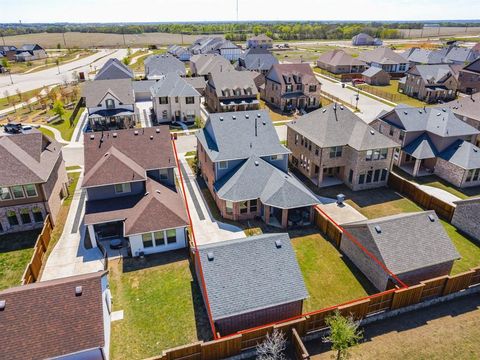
251, 274
463, 154
336, 125
64, 323
421, 148
95, 91
406, 242
173, 85
114, 69
161, 65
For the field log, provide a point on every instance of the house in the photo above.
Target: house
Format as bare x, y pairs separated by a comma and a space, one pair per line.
419, 56
432, 83
246, 170
256, 59
251, 281
114, 69
339, 62
198, 82
433, 141
33, 180
204, 64
413, 246
228, 50
469, 78
363, 39
179, 52
467, 109
71, 317
292, 86
387, 59
231, 91
110, 104
157, 66
174, 99
333, 145
205, 45
131, 192
467, 217
376, 76
9, 52
29, 52
260, 41
459, 55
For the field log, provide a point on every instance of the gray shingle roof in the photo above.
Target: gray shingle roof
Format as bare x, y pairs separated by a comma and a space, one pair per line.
160, 65
173, 85
407, 241
463, 154
207, 63
339, 57
257, 179
421, 148
432, 74
114, 69
230, 136
466, 106
423, 56
251, 274
382, 55
372, 71
95, 91
231, 80
328, 127
257, 59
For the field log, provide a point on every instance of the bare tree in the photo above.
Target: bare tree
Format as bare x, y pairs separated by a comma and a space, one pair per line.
273, 347
6, 94
19, 94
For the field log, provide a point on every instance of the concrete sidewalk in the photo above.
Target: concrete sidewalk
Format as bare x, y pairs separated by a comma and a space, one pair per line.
69, 257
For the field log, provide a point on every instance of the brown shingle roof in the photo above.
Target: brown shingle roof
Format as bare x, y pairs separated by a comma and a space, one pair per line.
27, 158
46, 319
127, 156
339, 58
279, 72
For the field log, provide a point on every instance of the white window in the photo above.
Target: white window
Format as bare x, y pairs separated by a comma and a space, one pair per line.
222, 165
18, 192
5, 194
30, 190
110, 104
229, 207
276, 157
123, 188
163, 174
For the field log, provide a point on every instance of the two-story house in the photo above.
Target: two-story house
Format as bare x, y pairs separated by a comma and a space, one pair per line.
110, 104
467, 108
387, 59
131, 192
157, 66
33, 180
246, 170
174, 99
114, 69
29, 52
291, 86
433, 141
432, 83
231, 91
204, 64
261, 41
469, 78
256, 59
332, 145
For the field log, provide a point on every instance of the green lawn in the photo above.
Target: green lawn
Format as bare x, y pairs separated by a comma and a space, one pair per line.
4, 103
468, 249
74, 167
330, 278
63, 125
162, 305
15, 253
275, 115
72, 184
399, 97
46, 132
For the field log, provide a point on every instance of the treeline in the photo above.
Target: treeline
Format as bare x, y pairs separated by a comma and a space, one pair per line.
236, 31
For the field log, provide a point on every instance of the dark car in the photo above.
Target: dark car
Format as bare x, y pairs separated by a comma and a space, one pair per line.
13, 128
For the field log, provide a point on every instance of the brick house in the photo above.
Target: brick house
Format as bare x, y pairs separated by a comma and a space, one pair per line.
260, 41
467, 217
231, 91
376, 76
157, 66
256, 59
387, 59
204, 64
339, 62
467, 109
332, 145
432, 83
114, 69
469, 78
33, 180
433, 141
241, 296
131, 190
413, 246
246, 170
291, 86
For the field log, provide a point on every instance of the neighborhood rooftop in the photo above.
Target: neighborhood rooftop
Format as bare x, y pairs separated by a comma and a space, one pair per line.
95, 91
173, 85
114, 69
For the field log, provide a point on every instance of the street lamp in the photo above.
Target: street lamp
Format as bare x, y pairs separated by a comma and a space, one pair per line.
10, 73
357, 97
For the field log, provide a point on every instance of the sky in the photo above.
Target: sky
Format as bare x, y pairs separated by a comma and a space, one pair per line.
225, 10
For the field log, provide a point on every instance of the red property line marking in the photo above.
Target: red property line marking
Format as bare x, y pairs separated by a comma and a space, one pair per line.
197, 254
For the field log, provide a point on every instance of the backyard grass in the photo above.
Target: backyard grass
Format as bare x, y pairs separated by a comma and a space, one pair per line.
15, 252
162, 305
275, 115
330, 278
469, 250
74, 167
46, 132
399, 97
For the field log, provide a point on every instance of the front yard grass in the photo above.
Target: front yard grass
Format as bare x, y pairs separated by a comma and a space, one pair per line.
275, 115
330, 277
47, 132
15, 252
162, 304
63, 125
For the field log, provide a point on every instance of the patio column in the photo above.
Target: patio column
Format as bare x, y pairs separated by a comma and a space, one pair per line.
416, 167
320, 175
266, 213
284, 218
93, 239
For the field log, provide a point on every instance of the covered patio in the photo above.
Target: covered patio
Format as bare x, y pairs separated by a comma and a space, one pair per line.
112, 119
288, 218
239, 105
419, 157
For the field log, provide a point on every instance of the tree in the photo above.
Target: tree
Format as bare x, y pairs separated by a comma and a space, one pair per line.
19, 94
126, 60
344, 333
273, 347
5, 63
6, 94
59, 109
198, 122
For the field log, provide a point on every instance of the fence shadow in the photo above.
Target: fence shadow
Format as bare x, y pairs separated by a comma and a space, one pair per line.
18, 241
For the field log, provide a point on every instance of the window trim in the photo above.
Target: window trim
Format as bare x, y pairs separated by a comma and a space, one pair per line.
13, 192
220, 167
123, 185
26, 191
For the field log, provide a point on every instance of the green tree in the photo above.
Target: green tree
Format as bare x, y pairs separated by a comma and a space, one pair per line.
126, 60
344, 334
59, 109
5, 63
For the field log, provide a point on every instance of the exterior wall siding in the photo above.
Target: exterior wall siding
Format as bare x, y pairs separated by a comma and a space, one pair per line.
452, 173
167, 112
429, 272
467, 217
7, 228
136, 244
108, 191
55, 188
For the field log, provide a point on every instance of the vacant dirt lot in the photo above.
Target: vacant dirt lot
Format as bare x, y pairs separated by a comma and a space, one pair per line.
88, 40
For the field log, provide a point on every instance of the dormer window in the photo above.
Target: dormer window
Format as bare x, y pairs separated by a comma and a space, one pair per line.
110, 104
122, 188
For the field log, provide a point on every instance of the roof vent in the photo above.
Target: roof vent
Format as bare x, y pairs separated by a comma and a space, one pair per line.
341, 107
92, 137
234, 117
157, 130
264, 122
106, 154
444, 110
114, 134
247, 116
3, 303
146, 193
324, 110
221, 118
372, 132
405, 112
378, 229
256, 163
151, 137
259, 115
431, 217
78, 291
439, 114
278, 243
135, 132
210, 256
475, 150
158, 191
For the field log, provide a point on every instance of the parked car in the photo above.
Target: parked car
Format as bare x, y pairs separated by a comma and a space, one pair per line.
358, 82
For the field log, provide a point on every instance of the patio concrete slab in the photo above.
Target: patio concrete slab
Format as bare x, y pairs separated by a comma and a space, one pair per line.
440, 194
341, 214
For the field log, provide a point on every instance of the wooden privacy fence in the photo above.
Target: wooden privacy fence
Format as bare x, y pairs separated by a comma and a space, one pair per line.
326, 226
414, 193
32, 272
381, 93
316, 321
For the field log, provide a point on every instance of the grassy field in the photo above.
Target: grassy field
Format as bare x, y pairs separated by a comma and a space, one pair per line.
468, 249
139, 64
15, 252
14, 99
330, 277
162, 305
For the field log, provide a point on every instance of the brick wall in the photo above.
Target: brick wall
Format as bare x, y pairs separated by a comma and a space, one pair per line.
55, 188
467, 217
451, 173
